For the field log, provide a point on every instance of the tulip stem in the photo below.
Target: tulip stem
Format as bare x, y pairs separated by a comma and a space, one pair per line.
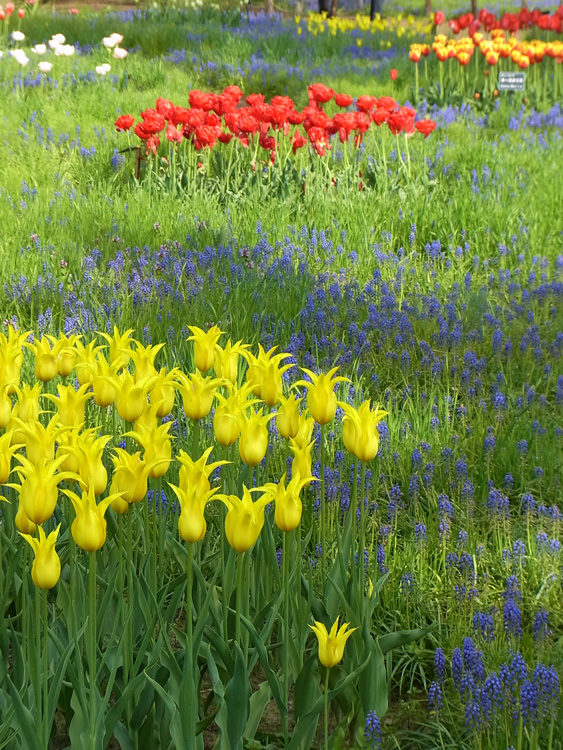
326, 707
92, 636
362, 545
189, 595
130, 600
156, 507
240, 575
45, 614
24, 600
195, 439
323, 511
37, 660
286, 551
353, 508
190, 655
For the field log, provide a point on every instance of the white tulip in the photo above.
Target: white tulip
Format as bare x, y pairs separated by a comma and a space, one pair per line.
64, 50
119, 53
109, 42
39, 49
101, 70
20, 56
56, 40
45, 67
18, 36
118, 38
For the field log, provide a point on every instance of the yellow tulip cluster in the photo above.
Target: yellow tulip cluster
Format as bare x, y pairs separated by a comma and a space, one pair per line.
120, 377
499, 46
400, 25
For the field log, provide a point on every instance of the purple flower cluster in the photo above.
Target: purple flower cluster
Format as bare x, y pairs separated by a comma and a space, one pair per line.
488, 698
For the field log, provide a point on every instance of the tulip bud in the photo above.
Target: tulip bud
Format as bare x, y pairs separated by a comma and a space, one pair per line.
253, 442
89, 526
46, 568
359, 430
204, 346
22, 522
321, 399
245, 519
287, 419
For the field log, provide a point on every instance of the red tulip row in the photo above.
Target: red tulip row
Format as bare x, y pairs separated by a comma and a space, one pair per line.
512, 22
218, 118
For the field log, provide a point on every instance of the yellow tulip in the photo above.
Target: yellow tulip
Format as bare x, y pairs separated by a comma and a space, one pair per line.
287, 418
271, 388
359, 430
5, 406
304, 434
86, 362
227, 360
119, 505
70, 404
15, 340
225, 423
104, 383
39, 440
131, 396
39, 487
22, 522
7, 450
191, 522
197, 393
46, 350
65, 441
90, 526
331, 645
253, 442
195, 474
27, 405
265, 375
321, 399
245, 518
119, 347
68, 354
163, 393
143, 357
130, 475
148, 419
157, 445
46, 569
88, 450
10, 365
225, 420
204, 346
288, 507
302, 461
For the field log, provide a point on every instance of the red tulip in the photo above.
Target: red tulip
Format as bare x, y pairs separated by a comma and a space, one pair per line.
366, 103
164, 107
233, 92
425, 127
254, 99
173, 134
343, 100
320, 93
393, 74
298, 142
201, 100
124, 122
439, 18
